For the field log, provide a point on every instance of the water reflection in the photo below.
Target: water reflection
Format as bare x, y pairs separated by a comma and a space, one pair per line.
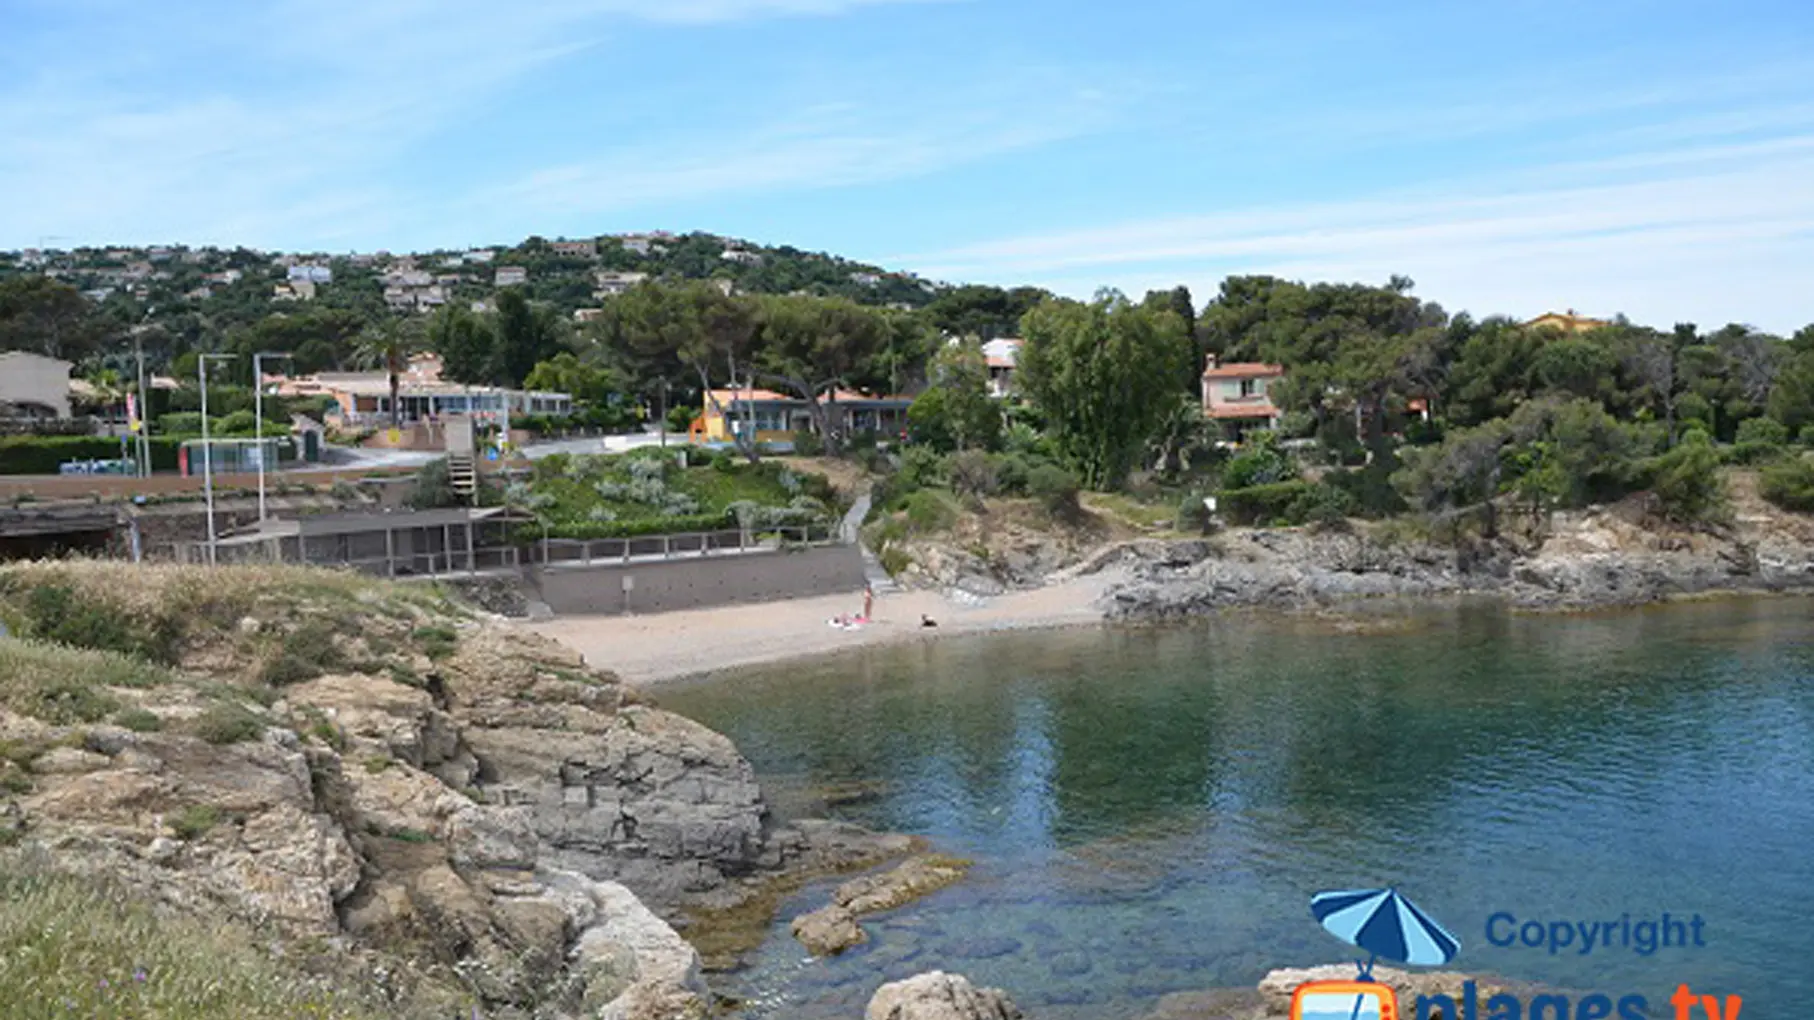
1152, 809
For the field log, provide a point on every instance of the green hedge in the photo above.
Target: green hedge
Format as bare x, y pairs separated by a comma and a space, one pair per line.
1288, 503
633, 528
43, 455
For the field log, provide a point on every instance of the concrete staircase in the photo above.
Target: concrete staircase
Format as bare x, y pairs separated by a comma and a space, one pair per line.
462, 474
852, 533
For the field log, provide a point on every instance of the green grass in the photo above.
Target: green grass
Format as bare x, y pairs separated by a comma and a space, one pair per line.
436, 642
229, 723
139, 720
64, 686
74, 947
303, 654
1161, 514
195, 821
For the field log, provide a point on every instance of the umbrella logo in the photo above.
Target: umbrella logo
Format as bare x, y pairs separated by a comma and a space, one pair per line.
1389, 927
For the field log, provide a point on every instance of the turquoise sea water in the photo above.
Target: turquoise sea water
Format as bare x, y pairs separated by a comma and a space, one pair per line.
1151, 810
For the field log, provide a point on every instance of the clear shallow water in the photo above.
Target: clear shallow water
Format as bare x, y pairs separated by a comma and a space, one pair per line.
1152, 810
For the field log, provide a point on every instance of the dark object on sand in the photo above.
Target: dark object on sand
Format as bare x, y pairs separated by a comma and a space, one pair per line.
927, 621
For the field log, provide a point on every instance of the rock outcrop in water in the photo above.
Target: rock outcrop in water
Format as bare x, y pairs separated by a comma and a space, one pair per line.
833, 928
351, 766
940, 996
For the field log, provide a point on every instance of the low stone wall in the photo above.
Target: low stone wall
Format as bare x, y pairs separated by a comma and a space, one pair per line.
696, 583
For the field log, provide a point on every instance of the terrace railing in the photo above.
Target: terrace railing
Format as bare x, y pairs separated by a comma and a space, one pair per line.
569, 552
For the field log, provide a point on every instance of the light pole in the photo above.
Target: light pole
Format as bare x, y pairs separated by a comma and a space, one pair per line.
201, 370
258, 418
143, 444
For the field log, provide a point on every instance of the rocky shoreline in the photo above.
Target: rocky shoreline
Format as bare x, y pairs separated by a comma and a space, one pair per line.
939, 996
1605, 558
485, 819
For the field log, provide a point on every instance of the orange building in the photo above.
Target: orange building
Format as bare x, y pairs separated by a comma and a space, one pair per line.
1567, 322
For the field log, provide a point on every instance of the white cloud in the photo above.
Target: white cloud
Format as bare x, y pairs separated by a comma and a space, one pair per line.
131, 133
830, 145
1709, 234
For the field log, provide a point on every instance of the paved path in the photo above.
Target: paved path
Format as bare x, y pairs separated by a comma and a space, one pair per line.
852, 531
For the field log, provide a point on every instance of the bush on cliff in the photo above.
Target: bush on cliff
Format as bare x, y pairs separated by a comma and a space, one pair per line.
1789, 484
1286, 503
1687, 481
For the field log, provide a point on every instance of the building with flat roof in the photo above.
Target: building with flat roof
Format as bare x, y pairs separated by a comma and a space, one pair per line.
775, 417
364, 398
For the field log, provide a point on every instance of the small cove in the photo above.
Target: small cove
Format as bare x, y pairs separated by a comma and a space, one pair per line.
1150, 810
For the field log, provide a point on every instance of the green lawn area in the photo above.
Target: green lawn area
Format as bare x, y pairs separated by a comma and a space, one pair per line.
583, 496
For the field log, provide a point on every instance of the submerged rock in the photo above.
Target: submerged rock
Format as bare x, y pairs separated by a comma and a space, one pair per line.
829, 931
833, 928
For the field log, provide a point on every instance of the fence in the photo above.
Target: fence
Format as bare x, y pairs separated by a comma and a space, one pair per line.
557, 552
400, 557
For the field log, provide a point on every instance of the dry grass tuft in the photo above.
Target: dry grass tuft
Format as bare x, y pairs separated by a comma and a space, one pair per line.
72, 947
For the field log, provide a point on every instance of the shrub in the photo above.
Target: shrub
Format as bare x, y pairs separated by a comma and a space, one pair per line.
433, 488
1759, 439
1763, 430
973, 473
139, 720
1263, 504
1261, 463
229, 723
1193, 515
1369, 489
1056, 488
57, 613
195, 821
929, 510
436, 642
1320, 504
239, 423
922, 467
1789, 484
1011, 471
582, 530
304, 654
1686, 480
42, 455
807, 443
895, 560
64, 686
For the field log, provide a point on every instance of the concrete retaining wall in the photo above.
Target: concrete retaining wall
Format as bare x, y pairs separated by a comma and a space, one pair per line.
696, 583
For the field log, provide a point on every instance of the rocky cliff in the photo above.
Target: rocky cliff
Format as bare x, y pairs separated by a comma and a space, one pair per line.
463, 811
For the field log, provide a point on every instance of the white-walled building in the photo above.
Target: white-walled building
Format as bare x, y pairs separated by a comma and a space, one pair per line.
35, 385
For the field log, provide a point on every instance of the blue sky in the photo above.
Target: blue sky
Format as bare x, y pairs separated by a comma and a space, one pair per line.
1649, 157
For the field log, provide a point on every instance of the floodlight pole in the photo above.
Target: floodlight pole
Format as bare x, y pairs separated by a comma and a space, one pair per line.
258, 418
201, 369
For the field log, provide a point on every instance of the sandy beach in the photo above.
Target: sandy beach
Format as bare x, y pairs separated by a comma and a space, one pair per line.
648, 650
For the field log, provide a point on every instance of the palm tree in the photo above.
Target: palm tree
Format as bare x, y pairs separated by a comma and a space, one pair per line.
388, 345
